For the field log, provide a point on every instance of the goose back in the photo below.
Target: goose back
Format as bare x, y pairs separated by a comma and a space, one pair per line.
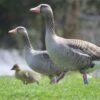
85, 47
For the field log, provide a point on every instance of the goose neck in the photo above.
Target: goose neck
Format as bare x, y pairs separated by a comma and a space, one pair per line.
27, 42
50, 27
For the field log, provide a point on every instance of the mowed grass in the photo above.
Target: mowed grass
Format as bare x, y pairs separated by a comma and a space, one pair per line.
69, 88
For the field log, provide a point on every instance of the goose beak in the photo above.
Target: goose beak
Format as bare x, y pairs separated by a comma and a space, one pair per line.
12, 31
35, 9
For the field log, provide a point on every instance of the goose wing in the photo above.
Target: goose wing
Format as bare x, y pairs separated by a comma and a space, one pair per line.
43, 55
85, 47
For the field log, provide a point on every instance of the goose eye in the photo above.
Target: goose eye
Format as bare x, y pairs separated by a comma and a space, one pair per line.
19, 30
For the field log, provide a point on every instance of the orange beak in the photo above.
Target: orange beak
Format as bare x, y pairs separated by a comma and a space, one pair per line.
35, 9
12, 31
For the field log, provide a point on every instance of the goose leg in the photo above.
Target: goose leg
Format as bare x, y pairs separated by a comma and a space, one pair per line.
24, 82
62, 74
56, 79
85, 78
52, 79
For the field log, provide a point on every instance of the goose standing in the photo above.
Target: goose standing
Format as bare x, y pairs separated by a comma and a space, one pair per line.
39, 60
69, 54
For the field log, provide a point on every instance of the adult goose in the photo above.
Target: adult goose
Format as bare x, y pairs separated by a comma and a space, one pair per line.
39, 61
69, 54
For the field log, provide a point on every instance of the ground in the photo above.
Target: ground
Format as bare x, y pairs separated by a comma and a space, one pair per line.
69, 88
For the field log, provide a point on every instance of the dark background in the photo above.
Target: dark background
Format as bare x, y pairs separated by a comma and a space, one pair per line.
73, 19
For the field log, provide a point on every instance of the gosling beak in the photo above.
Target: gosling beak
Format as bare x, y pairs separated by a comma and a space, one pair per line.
12, 68
35, 9
12, 31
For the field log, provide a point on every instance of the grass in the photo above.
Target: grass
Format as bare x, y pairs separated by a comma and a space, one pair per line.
69, 88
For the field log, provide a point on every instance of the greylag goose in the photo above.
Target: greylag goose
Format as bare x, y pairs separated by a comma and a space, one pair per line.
25, 76
39, 61
69, 54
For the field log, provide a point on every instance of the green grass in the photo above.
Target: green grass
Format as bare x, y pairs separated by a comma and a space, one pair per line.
69, 88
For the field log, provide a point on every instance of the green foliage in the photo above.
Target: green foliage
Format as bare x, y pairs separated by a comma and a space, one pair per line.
16, 12
69, 88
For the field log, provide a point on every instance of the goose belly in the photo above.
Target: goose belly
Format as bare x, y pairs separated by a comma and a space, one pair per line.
36, 64
41, 65
68, 60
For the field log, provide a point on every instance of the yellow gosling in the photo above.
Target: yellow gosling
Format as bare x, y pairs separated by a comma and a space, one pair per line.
26, 76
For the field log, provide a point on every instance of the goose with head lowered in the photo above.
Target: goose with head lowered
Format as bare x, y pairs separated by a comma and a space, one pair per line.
39, 61
69, 54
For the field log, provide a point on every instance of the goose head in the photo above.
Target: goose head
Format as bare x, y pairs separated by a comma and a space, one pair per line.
19, 29
16, 67
22, 30
42, 8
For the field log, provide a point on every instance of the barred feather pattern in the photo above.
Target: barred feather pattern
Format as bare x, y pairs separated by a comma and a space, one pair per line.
85, 47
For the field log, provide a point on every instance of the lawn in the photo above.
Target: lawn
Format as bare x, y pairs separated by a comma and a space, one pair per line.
69, 88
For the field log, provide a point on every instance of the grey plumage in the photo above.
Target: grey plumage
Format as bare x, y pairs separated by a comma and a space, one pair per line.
39, 61
69, 54
26, 76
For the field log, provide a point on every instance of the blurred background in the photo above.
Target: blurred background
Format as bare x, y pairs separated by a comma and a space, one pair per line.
78, 19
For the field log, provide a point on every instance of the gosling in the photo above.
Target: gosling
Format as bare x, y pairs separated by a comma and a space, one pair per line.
25, 76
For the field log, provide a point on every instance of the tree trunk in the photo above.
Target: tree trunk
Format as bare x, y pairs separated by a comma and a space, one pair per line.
43, 34
71, 18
